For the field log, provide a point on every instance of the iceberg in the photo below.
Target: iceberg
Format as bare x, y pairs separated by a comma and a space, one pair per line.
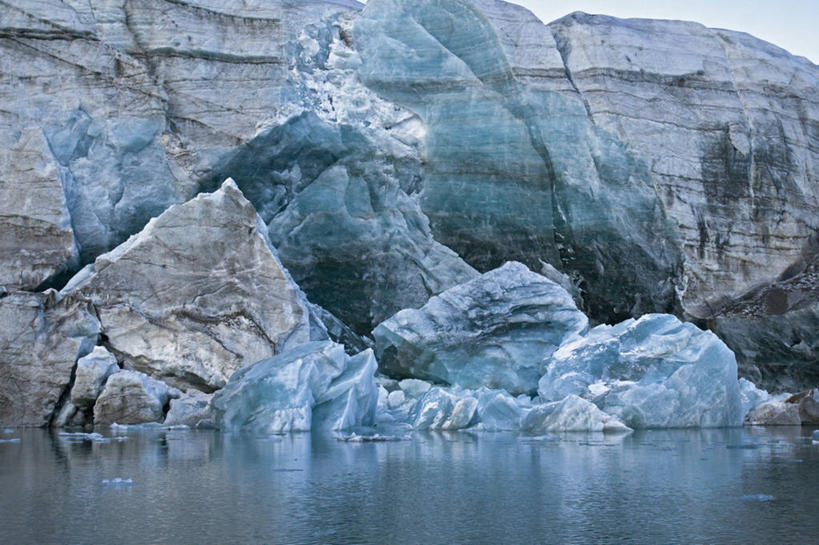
313, 386
493, 331
654, 372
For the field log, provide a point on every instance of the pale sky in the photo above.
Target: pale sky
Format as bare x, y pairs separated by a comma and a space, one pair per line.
790, 24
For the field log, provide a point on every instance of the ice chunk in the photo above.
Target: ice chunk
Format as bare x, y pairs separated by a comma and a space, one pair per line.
373, 438
492, 331
92, 372
13, 440
131, 397
351, 399
454, 408
442, 410
80, 437
750, 396
775, 412
413, 387
498, 410
758, 497
653, 372
284, 393
191, 409
396, 399
197, 294
572, 413
118, 481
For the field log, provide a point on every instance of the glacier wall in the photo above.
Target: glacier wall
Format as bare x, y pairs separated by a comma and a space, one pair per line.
395, 151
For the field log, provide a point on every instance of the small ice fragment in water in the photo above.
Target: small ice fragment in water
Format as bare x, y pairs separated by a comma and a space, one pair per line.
118, 481
79, 437
815, 437
355, 438
8, 431
548, 438
758, 497
15, 440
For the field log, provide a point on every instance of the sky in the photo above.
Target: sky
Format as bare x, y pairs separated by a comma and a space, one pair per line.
790, 24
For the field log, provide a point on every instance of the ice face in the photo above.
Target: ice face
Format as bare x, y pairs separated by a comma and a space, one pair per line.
315, 385
512, 164
653, 372
492, 331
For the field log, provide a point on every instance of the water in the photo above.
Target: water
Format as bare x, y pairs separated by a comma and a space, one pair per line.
713, 486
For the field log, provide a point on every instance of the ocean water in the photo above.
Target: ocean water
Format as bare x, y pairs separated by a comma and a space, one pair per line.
752, 485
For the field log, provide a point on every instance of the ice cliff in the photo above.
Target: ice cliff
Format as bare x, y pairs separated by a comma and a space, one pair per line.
388, 161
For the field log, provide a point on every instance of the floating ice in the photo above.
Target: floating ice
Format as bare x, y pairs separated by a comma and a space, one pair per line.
8, 431
442, 410
655, 372
548, 438
118, 481
374, 438
80, 437
758, 497
316, 385
455, 408
570, 414
14, 440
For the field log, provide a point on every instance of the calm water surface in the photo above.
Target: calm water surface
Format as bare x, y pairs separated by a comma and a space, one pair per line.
713, 486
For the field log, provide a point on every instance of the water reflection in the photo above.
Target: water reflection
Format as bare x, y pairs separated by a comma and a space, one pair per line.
197, 487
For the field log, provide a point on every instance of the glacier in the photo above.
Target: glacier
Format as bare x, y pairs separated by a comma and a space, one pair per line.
454, 184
